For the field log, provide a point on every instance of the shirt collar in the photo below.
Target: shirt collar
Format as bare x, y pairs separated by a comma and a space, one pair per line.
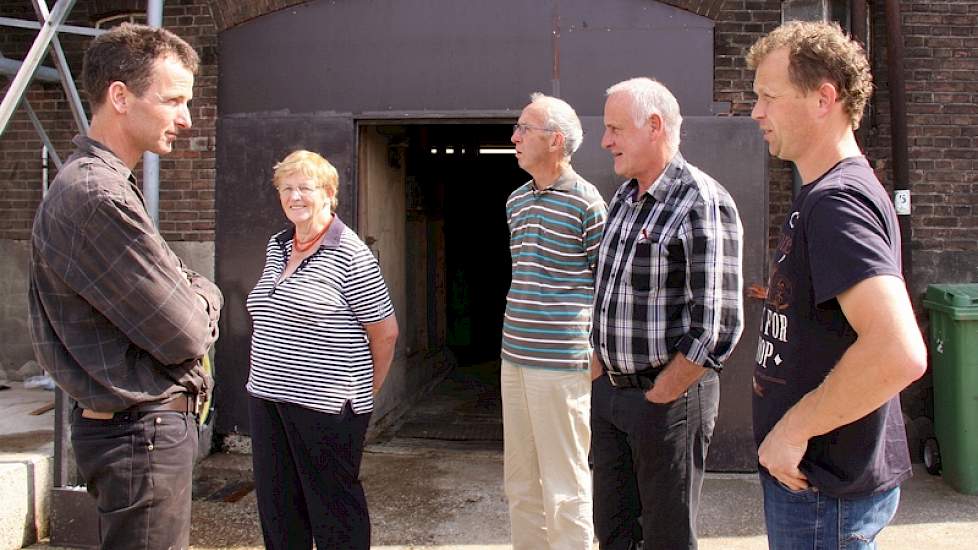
333, 234
659, 190
89, 146
331, 240
564, 182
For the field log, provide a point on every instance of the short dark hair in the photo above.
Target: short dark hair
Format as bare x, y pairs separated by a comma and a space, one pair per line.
127, 54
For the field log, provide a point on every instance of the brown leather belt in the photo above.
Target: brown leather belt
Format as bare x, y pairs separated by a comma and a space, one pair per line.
183, 403
643, 380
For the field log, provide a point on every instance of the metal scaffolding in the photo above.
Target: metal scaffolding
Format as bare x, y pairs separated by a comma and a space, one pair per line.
71, 508
49, 25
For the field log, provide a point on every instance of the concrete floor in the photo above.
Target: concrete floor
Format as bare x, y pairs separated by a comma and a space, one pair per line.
427, 494
428, 498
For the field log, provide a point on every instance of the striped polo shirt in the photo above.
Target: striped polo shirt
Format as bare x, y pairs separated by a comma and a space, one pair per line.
308, 345
554, 238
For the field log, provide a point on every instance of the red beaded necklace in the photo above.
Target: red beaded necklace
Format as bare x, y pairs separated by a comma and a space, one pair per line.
303, 246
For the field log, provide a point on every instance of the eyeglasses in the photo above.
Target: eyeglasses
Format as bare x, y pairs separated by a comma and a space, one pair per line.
304, 190
522, 129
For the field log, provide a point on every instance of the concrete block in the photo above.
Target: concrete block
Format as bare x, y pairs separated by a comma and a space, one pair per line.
25, 491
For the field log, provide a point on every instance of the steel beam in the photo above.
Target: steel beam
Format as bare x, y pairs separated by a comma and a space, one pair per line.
34, 25
15, 92
41, 133
67, 82
11, 66
151, 161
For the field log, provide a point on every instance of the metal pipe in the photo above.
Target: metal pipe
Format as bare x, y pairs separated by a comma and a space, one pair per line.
70, 29
41, 133
45, 74
44, 170
898, 122
858, 31
151, 161
154, 13
857, 22
17, 88
67, 82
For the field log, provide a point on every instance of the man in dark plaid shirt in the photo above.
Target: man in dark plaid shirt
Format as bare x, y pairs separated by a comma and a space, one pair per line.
116, 319
667, 313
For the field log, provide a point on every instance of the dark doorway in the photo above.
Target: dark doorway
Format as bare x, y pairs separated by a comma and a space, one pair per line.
477, 172
457, 178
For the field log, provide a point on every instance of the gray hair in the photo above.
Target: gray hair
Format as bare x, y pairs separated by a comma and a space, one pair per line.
650, 97
562, 118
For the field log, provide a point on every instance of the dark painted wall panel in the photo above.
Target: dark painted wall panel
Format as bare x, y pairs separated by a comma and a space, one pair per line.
385, 54
732, 150
444, 55
248, 213
601, 44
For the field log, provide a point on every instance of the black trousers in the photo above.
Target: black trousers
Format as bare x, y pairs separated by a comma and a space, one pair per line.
648, 463
307, 476
139, 467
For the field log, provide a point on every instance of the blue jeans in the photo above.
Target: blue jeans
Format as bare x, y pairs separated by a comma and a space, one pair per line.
810, 520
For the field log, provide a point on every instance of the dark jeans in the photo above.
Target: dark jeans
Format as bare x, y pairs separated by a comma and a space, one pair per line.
648, 463
809, 520
307, 476
139, 467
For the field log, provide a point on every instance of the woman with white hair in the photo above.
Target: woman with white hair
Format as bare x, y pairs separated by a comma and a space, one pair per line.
323, 339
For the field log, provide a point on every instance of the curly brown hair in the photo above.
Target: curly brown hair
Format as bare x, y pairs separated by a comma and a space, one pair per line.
818, 52
127, 54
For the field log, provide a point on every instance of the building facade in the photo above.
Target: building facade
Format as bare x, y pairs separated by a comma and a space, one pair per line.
554, 47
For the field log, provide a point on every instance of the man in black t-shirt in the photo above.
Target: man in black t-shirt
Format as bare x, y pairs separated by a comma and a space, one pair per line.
838, 338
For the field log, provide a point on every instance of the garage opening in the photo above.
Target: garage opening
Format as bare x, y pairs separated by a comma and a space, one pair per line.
431, 206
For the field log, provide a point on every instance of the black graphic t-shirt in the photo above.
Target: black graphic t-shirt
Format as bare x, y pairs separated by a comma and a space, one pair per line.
842, 229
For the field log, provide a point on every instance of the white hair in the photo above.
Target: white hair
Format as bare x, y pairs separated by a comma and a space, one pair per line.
562, 118
649, 97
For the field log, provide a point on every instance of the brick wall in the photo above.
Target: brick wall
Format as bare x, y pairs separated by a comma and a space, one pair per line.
942, 79
941, 71
941, 68
187, 174
739, 25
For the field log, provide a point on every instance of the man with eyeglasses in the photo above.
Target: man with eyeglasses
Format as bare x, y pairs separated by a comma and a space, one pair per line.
117, 320
667, 313
555, 221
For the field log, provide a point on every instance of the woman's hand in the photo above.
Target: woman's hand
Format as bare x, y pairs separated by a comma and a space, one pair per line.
383, 337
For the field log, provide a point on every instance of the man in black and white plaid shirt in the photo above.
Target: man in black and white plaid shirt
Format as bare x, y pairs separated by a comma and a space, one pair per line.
668, 312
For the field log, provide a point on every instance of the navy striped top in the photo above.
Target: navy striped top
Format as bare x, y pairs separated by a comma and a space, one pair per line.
554, 238
308, 345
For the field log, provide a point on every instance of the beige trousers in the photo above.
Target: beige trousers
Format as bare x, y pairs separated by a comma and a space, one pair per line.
547, 435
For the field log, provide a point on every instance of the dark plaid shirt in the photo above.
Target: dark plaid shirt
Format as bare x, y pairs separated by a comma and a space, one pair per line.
669, 273
116, 318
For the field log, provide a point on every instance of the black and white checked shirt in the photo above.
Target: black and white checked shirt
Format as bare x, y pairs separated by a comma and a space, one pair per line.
669, 273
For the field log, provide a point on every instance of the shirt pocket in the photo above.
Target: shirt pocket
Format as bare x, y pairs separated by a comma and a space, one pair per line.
654, 263
641, 272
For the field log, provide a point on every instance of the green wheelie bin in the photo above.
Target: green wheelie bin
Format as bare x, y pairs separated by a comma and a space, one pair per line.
954, 353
